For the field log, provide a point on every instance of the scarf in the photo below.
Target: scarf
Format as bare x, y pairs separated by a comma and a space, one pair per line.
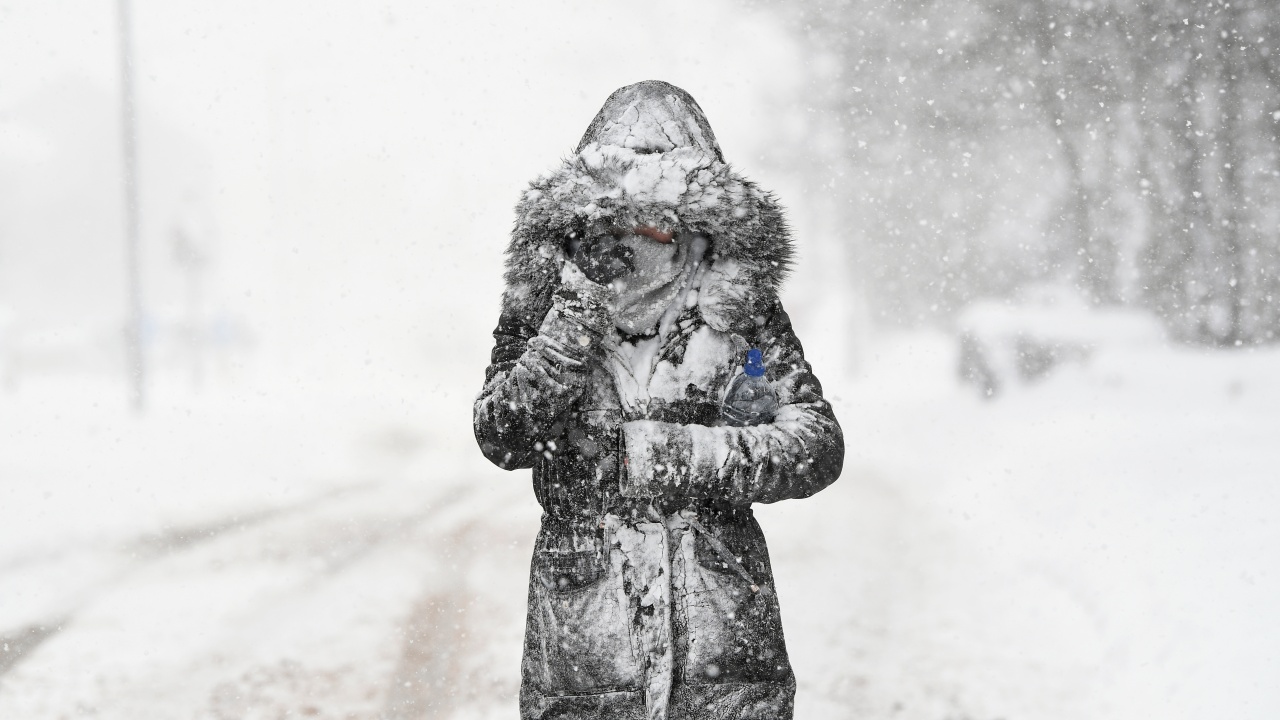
642, 297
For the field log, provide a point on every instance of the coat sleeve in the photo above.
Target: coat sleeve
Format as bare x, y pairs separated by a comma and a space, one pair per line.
534, 377
798, 454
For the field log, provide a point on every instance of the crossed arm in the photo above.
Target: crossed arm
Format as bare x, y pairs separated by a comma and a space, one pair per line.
798, 454
535, 377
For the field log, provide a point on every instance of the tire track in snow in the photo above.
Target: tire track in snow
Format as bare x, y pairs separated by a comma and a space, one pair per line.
459, 542
308, 529
133, 555
18, 643
429, 675
462, 639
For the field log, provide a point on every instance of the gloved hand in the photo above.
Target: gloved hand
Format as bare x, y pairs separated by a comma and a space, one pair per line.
602, 258
579, 318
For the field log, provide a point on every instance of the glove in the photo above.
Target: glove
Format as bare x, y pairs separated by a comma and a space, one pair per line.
579, 318
603, 258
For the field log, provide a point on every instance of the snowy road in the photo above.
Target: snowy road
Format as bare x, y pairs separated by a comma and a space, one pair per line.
1092, 547
367, 601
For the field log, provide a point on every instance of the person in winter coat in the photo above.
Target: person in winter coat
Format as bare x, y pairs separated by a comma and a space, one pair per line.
640, 274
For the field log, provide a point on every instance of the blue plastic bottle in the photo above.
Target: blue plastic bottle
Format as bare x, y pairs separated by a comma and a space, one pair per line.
750, 399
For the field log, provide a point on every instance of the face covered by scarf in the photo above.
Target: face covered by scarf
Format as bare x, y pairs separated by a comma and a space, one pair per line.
662, 270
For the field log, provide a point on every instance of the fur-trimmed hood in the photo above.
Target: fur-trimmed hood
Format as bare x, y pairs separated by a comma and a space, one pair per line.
649, 158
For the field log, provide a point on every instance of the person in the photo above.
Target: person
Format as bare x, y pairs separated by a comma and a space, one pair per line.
640, 275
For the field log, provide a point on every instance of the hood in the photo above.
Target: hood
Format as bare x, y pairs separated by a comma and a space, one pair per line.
650, 158
652, 116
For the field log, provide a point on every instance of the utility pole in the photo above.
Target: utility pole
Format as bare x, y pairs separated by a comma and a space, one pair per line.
135, 361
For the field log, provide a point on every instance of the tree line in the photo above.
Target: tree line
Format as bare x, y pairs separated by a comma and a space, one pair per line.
1126, 148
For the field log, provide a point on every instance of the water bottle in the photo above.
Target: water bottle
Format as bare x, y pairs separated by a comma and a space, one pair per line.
750, 399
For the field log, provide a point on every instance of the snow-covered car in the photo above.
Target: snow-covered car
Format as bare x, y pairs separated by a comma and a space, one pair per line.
1010, 342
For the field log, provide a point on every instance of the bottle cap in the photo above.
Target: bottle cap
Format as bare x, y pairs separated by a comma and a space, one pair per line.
755, 363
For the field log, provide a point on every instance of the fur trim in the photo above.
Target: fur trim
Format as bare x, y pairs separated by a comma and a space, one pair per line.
682, 190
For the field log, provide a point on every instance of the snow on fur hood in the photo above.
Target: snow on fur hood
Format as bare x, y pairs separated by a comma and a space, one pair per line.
650, 158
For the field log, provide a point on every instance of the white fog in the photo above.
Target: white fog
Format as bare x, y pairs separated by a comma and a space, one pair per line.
1040, 306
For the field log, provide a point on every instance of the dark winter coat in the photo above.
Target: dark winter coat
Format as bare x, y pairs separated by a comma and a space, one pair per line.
651, 593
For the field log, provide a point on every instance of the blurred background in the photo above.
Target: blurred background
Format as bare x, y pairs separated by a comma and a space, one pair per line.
250, 260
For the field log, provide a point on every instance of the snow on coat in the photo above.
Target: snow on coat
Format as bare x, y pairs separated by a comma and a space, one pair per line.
650, 592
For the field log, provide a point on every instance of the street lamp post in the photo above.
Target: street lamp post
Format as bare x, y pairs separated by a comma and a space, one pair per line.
135, 360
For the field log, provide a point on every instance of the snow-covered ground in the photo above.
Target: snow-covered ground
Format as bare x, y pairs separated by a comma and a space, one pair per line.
1101, 544
316, 535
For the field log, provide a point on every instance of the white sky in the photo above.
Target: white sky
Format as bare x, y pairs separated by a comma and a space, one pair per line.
363, 159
